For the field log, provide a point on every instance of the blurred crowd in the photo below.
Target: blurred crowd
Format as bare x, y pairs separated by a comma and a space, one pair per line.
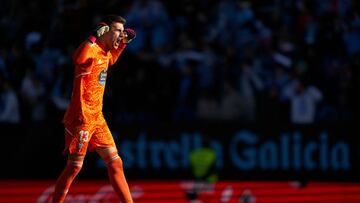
275, 61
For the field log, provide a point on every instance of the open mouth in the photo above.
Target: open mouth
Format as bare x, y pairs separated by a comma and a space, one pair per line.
117, 42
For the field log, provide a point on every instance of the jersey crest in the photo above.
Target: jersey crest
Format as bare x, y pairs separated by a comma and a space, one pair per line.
102, 77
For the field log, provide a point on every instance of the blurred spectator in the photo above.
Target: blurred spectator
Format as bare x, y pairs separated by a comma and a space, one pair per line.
232, 105
9, 103
250, 84
32, 94
152, 24
352, 38
304, 99
185, 110
60, 93
3, 68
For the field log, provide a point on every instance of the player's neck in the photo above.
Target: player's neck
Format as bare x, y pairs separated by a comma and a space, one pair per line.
102, 45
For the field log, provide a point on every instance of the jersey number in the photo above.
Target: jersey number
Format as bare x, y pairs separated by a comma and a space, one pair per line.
84, 136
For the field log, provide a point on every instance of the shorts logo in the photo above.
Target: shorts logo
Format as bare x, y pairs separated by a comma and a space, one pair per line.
102, 77
83, 137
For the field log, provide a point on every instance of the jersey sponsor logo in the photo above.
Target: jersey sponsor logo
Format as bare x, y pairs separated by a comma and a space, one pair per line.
102, 77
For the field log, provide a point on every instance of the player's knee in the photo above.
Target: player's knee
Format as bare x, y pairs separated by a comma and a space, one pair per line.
75, 163
109, 155
75, 168
116, 165
114, 159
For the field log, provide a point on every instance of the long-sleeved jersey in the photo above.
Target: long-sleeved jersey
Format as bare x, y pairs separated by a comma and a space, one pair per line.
91, 65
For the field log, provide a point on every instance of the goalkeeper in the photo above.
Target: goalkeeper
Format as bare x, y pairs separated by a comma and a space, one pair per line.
85, 126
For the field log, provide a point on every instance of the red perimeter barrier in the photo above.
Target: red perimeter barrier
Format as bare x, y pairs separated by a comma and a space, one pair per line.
86, 191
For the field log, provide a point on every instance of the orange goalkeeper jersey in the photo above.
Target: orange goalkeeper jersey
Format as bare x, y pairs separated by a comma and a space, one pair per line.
91, 66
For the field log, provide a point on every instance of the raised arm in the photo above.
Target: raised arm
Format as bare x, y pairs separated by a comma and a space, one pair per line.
130, 34
116, 53
82, 54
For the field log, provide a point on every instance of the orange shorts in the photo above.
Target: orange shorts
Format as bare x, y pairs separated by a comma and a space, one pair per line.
78, 138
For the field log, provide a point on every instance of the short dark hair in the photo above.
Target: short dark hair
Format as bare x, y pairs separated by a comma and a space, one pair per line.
109, 19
